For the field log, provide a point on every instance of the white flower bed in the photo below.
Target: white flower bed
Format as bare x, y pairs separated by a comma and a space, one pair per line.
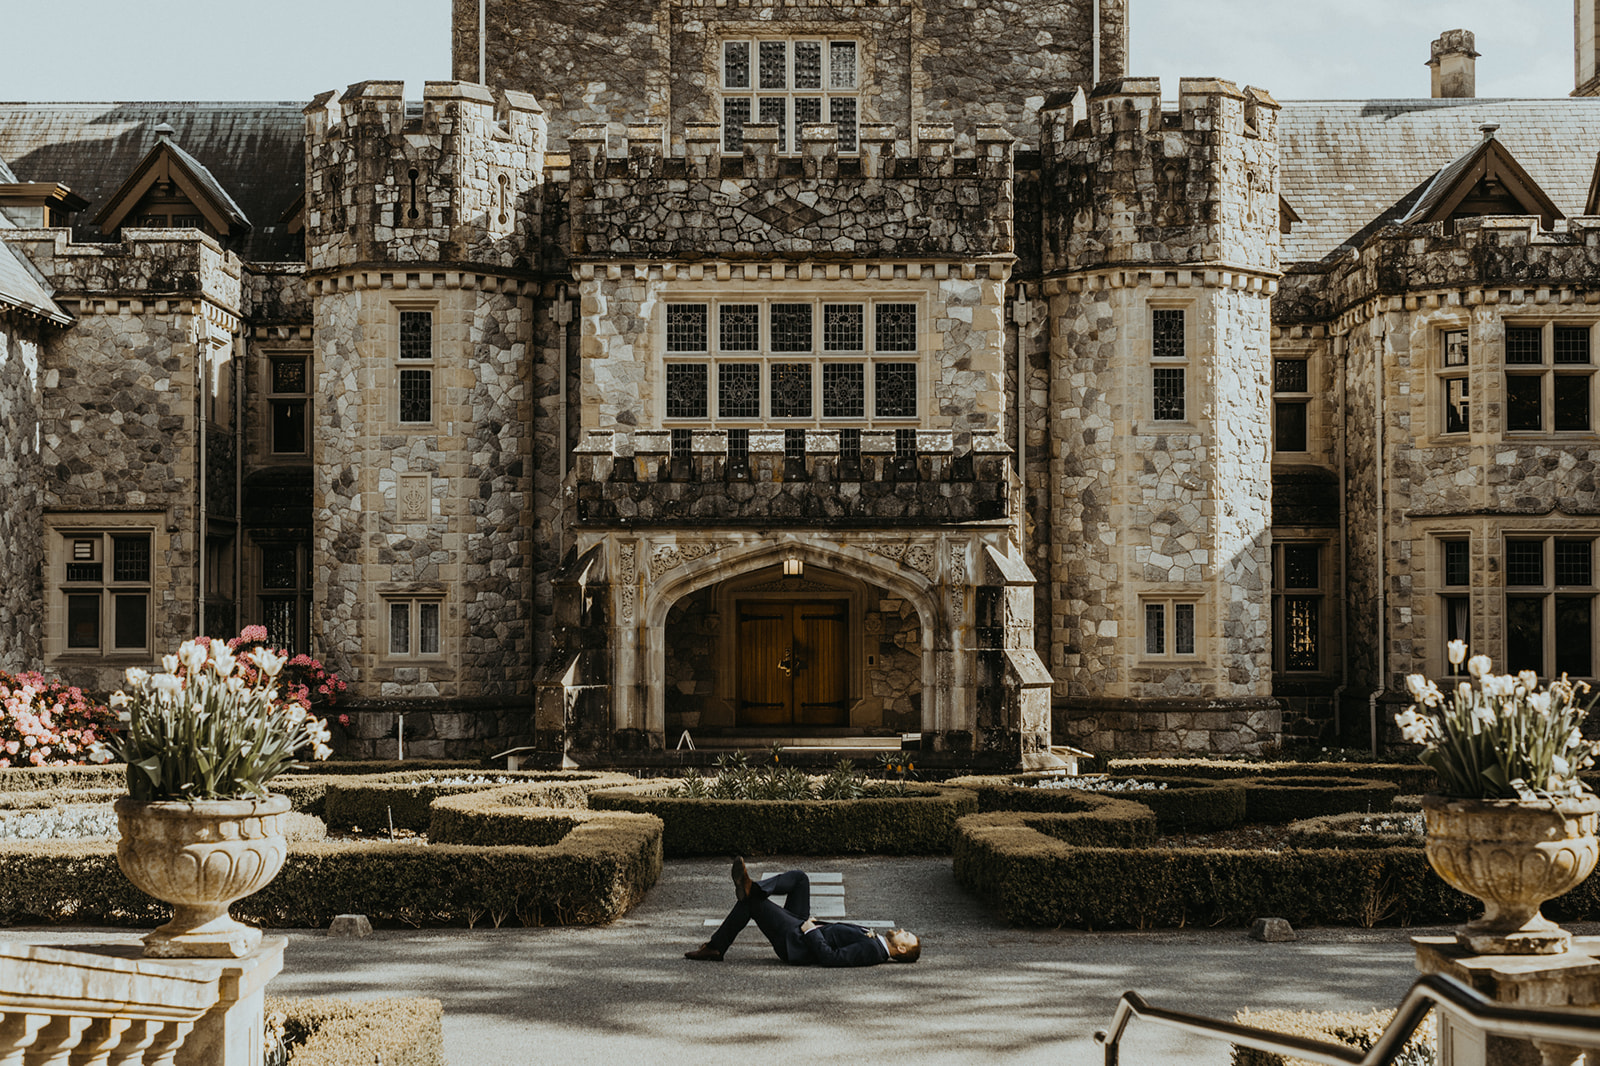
472, 779
1101, 784
1404, 824
72, 822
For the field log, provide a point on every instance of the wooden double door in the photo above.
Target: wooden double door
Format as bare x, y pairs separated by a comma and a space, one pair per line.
794, 666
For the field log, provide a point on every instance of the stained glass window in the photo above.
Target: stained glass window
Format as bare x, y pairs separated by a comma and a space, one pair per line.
739, 445
806, 109
1301, 566
288, 375
844, 390
791, 327
1167, 333
1169, 393
739, 327
686, 390
791, 390
905, 444
738, 390
416, 334
682, 443
896, 327
850, 445
794, 444
844, 328
792, 82
775, 109
416, 395
686, 327
894, 390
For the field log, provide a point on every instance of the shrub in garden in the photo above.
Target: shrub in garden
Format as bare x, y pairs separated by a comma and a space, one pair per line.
736, 779
47, 723
333, 1032
1271, 800
305, 680
1180, 804
1358, 1030
405, 799
1395, 829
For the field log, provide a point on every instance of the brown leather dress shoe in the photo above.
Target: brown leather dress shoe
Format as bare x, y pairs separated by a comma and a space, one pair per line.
742, 884
704, 953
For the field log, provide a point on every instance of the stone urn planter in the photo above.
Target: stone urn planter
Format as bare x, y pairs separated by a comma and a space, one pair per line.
1513, 855
201, 856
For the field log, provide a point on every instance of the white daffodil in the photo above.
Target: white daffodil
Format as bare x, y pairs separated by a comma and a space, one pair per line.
1529, 679
1498, 686
169, 663
192, 654
1413, 726
223, 661
1539, 702
1457, 650
167, 686
135, 676
99, 753
270, 662
118, 699
1416, 684
1464, 693
1479, 665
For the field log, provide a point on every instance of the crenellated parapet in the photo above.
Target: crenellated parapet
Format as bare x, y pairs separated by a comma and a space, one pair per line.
821, 204
451, 181
1125, 181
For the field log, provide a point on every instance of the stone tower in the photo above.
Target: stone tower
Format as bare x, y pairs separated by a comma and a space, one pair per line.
421, 231
1160, 254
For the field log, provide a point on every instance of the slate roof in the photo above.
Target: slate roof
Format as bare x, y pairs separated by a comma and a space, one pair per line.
1347, 164
255, 152
21, 286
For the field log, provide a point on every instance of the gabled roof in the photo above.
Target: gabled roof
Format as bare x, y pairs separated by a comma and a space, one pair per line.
1488, 161
22, 287
190, 175
254, 151
1348, 166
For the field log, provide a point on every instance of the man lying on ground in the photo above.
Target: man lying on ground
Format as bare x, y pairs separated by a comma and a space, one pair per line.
798, 938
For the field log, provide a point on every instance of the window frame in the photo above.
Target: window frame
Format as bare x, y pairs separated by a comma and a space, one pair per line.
415, 604
1283, 592
753, 95
297, 595
402, 364
274, 398
1548, 372
818, 357
1181, 363
1549, 591
103, 531
1301, 399
1446, 373
1169, 604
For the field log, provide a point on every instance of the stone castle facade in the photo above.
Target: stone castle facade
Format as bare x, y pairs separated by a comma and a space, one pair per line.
804, 375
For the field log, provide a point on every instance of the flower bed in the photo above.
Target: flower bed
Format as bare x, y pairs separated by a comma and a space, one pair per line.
47, 723
371, 802
334, 1032
1411, 778
1396, 829
918, 823
1184, 805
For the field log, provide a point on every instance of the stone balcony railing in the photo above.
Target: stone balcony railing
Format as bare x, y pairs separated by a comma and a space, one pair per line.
791, 478
102, 1003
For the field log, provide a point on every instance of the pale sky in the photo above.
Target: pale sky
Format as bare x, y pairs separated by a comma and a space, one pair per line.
292, 49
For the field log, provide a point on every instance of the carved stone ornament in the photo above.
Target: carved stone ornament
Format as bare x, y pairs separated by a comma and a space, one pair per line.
919, 557
671, 556
627, 579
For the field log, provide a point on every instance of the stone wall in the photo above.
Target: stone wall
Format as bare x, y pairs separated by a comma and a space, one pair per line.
21, 587
627, 63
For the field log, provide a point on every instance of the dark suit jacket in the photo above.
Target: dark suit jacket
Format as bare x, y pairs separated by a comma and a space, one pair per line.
836, 944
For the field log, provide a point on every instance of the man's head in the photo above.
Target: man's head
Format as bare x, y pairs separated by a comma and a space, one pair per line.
903, 946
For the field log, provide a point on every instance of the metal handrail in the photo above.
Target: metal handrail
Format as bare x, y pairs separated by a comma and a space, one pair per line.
1574, 1027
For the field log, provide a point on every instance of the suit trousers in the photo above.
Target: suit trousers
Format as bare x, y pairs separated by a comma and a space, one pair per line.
780, 925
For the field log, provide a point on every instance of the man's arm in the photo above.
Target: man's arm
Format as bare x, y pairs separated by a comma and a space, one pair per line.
865, 952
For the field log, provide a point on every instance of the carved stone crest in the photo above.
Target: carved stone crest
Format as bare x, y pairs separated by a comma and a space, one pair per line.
919, 557
671, 556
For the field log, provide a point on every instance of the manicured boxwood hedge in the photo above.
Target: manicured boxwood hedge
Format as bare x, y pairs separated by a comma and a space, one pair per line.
53, 797
370, 802
46, 778
336, 1032
1345, 831
600, 868
917, 824
1411, 777
1029, 875
1190, 805
1272, 800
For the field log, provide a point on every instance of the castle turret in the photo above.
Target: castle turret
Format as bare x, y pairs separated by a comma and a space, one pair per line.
1160, 253
421, 224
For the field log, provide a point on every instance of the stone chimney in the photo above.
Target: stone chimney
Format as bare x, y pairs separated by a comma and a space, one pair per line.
1453, 62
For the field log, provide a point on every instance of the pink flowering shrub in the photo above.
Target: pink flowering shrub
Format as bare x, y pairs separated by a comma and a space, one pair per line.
304, 680
47, 723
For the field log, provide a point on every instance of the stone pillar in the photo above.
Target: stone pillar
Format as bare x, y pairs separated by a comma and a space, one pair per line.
876, 145
644, 150
1571, 979
936, 149
760, 149
819, 150
702, 147
230, 1032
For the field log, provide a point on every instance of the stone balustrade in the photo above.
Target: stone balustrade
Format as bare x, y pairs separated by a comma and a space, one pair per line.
102, 1004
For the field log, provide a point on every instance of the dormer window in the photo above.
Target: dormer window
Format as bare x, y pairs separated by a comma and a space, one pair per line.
790, 82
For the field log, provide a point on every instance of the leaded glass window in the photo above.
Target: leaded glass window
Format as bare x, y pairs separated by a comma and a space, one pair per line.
1574, 562
791, 327
686, 327
1301, 618
278, 567
850, 445
1183, 628
1457, 562
738, 390
1524, 562
1167, 333
107, 591
844, 390
1301, 566
896, 327
905, 444
739, 327
1289, 375
686, 390
894, 390
1454, 342
790, 390
683, 443
844, 328
1523, 345
738, 445
416, 396
416, 334
794, 444
130, 558
289, 375
793, 82
1169, 393
415, 628
1572, 344
399, 628
1549, 620
1155, 629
